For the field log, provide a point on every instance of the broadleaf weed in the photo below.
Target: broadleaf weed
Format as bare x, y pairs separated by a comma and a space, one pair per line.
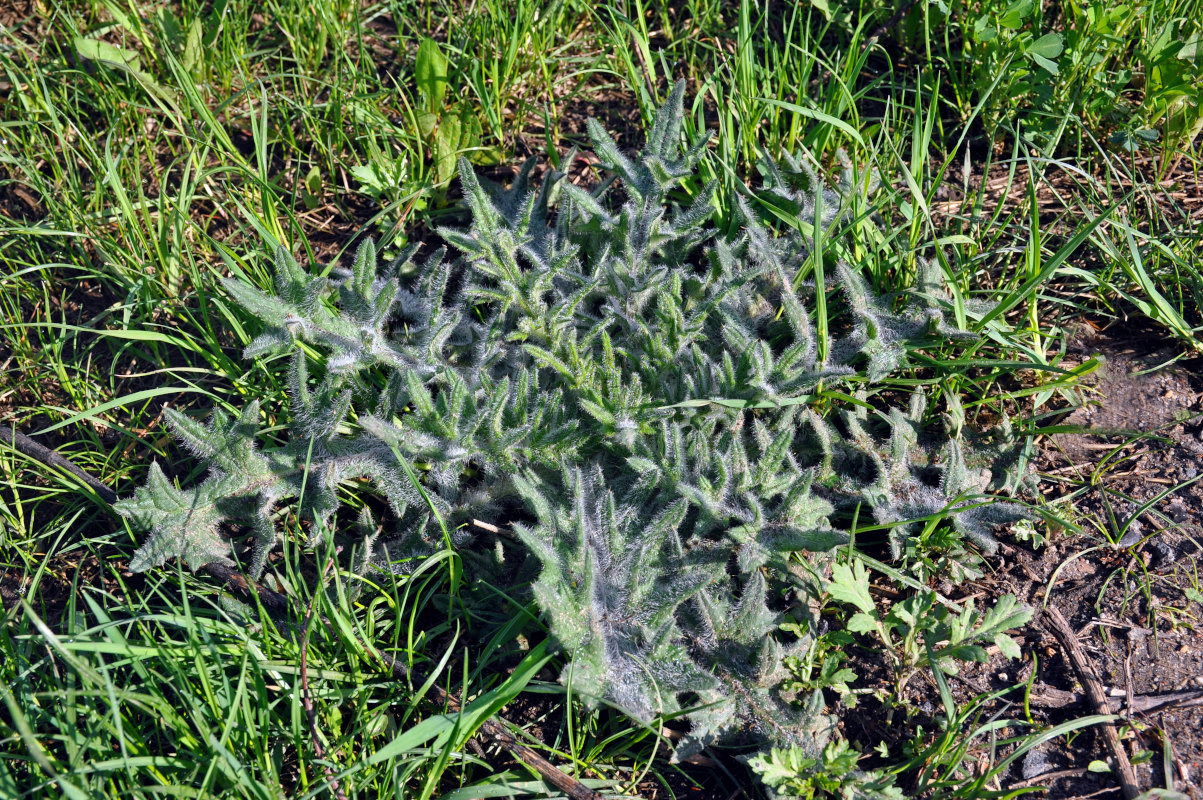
634, 392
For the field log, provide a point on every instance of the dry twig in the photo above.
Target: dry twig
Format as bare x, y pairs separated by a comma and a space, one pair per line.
1084, 667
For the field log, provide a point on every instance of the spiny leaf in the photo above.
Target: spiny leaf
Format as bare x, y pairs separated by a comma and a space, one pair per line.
183, 524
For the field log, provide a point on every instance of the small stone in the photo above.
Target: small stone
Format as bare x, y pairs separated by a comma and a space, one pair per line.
1134, 535
1160, 554
1004, 677
1035, 764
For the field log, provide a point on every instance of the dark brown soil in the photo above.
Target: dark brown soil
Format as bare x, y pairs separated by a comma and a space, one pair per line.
1127, 579
1130, 583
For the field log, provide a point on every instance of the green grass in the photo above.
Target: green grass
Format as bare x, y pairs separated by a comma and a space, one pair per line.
146, 151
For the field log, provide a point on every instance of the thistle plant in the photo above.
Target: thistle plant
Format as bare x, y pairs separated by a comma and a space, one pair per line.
632, 392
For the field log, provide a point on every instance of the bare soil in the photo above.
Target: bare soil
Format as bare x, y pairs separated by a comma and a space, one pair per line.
1128, 581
